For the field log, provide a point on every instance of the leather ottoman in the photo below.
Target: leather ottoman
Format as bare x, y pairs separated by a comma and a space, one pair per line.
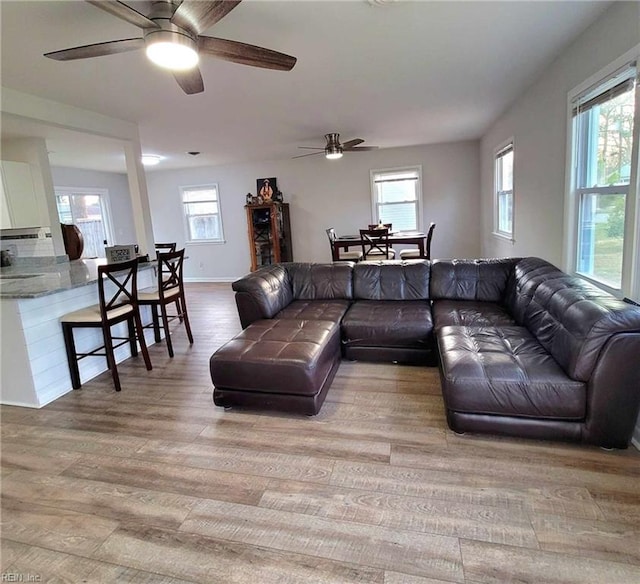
277, 364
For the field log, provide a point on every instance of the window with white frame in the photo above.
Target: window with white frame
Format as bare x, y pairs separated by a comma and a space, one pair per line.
203, 216
604, 160
503, 202
397, 197
87, 209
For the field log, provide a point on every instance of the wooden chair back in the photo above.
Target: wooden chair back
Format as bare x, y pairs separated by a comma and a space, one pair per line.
427, 250
170, 270
375, 242
122, 278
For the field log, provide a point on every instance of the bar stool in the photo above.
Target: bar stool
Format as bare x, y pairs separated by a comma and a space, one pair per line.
164, 247
115, 306
170, 289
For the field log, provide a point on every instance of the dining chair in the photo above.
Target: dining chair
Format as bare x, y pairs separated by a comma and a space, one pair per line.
406, 254
375, 244
164, 247
343, 256
118, 303
170, 290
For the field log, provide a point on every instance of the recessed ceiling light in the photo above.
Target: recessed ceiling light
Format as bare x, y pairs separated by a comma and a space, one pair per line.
151, 159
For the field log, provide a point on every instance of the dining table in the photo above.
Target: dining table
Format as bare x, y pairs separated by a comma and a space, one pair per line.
416, 238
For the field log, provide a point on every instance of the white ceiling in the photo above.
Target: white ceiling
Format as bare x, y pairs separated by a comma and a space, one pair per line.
393, 73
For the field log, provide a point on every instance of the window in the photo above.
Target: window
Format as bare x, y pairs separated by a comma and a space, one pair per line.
397, 197
604, 158
88, 209
503, 224
202, 213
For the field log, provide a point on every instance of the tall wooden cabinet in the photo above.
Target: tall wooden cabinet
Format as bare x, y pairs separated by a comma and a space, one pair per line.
269, 234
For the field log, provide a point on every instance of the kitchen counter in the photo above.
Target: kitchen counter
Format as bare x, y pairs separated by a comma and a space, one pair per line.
35, 281
33, 362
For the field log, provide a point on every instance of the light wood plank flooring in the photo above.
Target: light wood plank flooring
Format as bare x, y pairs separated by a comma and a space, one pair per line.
157, 485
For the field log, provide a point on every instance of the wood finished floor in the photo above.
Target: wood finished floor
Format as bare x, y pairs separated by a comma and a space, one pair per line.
157, 485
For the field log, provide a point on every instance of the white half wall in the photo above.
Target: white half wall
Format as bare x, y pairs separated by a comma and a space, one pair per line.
537, 122
119, 198
322, 193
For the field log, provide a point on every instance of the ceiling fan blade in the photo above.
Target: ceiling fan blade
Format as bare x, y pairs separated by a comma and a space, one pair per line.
190, 81
310, 148
199, 15
312, 154
97, 50
351, 143
361, 149
245, 54
124, 12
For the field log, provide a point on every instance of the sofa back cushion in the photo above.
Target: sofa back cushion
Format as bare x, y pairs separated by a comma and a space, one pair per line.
263, 293
526, 276
573, 320
391, 280
321, 281
479, 280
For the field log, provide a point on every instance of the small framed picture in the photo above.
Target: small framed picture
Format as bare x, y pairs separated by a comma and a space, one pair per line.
120, 253
266, 188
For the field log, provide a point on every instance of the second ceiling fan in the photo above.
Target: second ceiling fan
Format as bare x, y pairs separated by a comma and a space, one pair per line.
172, 39
334, 149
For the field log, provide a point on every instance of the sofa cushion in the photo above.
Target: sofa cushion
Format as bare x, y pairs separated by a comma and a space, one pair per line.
573, 319
469, 313
391, 280
399, 323
332, 310
320, 281
505, 371
483, 280
527, 275
278, 356
262, 294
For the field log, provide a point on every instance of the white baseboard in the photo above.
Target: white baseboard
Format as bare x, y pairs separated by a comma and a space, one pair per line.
223, 280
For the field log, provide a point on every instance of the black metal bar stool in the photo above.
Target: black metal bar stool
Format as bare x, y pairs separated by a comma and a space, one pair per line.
170, 289
115, 306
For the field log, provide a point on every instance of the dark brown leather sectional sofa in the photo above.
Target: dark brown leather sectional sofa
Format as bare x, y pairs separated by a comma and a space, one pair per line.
523, 348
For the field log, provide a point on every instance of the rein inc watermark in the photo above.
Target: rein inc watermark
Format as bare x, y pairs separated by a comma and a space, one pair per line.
19, 577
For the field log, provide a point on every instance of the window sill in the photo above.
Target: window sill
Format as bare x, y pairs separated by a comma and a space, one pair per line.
503, 236
206, 242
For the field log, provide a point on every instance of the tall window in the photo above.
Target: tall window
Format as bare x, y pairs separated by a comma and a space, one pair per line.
397, 197
603, 158
88, 209
202, 213
504, 191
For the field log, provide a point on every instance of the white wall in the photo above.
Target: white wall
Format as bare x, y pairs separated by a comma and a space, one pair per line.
119, 197
323, 193
538, 122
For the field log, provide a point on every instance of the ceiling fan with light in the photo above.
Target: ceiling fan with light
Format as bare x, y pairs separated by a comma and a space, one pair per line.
172, 39
334, 149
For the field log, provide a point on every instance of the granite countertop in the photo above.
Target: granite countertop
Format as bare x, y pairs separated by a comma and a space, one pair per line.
36, 281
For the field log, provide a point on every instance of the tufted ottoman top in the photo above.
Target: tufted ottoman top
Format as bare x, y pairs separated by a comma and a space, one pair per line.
278, 356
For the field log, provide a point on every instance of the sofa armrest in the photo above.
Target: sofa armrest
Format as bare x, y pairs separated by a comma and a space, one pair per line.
613, 393
262, 294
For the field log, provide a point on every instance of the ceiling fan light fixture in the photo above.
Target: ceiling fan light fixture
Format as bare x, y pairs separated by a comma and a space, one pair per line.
333, 152
171, 50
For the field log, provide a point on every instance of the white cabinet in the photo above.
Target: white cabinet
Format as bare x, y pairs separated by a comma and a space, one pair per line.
19, 204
